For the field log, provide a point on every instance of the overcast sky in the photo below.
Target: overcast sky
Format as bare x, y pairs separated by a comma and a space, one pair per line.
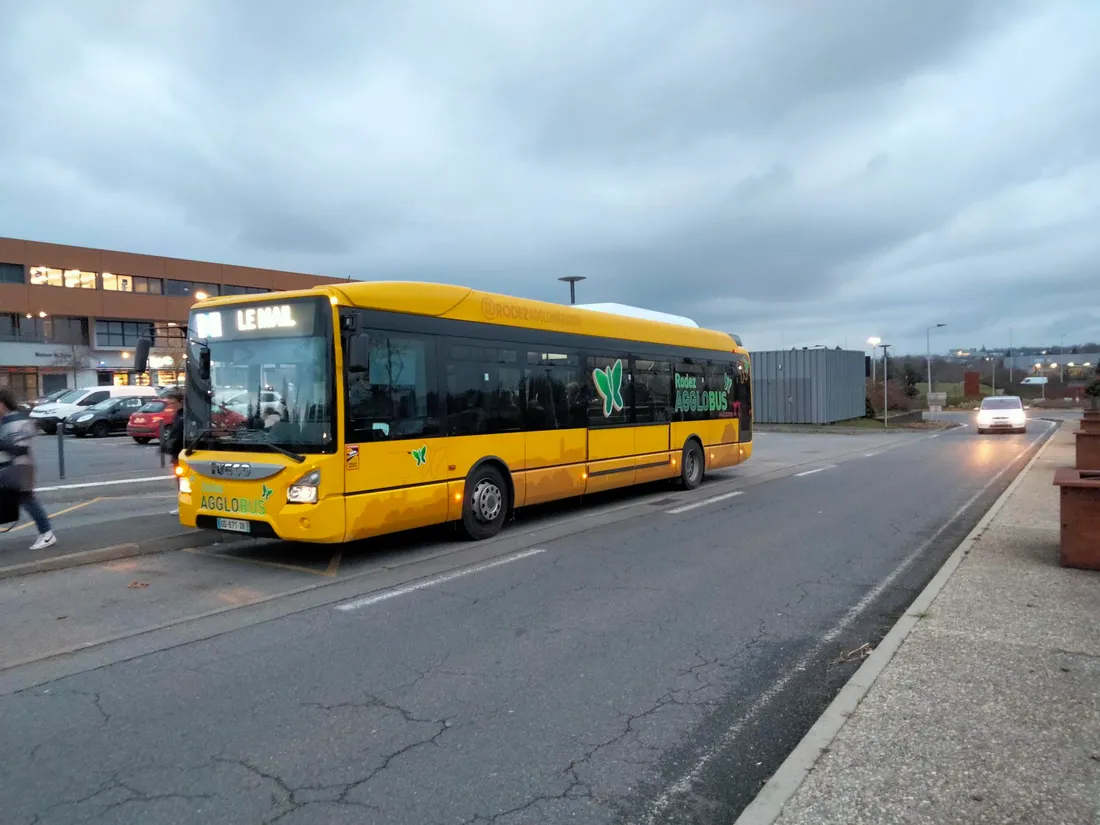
797, 171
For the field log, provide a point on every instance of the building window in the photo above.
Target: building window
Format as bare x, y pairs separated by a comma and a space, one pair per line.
120, 334
190, 289
12, 274
61, 329
131, 283
68, 278
168, 336
9, 326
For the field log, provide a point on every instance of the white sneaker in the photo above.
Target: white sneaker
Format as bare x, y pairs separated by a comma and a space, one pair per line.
47, 539
175, 512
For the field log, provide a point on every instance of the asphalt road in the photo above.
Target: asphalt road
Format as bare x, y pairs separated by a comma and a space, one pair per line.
653, 666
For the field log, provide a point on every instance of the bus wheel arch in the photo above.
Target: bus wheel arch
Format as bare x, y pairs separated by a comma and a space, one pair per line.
488, 498
693, 463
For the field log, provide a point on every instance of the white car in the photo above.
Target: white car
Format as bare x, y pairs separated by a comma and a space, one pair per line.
1005, 413
243, 402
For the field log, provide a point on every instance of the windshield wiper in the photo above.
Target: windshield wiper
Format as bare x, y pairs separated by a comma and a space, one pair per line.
188, 449
282, 450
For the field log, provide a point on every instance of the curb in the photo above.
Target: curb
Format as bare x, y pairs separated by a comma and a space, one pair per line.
768, 804
114, 552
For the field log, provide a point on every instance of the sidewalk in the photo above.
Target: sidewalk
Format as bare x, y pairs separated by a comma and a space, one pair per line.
989, 712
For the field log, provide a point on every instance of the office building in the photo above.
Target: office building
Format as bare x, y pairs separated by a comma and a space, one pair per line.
71, 316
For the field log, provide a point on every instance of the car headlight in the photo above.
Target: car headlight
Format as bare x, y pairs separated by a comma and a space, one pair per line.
304, 490
85, 417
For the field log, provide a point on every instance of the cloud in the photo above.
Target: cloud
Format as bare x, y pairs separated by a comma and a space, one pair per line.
795, 172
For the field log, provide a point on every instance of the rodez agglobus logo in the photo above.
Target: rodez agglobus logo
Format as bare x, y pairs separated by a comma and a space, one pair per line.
238, 505
690, 397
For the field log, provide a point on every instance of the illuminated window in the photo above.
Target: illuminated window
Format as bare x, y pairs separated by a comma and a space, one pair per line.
69, 278
117, 283
132, 283
78, 279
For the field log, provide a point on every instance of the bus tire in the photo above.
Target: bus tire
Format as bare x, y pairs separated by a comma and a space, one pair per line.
486, 507
692, 465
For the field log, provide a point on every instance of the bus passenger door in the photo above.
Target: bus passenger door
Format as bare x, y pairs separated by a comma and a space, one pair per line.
395, 462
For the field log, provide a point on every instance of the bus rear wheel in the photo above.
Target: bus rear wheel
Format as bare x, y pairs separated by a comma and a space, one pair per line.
691, 466
486, 505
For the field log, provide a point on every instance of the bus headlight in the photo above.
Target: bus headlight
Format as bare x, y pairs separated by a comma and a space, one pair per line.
304, 490
184, 484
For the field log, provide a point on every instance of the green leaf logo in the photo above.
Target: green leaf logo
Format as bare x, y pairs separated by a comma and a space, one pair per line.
609, 384
420, 455
729, 383
266, 492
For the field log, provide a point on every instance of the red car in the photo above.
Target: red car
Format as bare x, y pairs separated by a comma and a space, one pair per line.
145, 424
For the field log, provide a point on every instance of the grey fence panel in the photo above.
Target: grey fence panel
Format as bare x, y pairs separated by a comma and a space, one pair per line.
810, 386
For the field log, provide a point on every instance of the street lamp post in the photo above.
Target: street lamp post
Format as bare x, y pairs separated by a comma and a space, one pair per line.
572, 281
885, 387
928, 346
874, 342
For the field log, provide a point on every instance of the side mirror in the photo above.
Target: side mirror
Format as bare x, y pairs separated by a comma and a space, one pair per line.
141, 355
204, 363
358, 359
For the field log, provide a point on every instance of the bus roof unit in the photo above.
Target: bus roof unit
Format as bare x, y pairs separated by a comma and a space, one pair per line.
639, 312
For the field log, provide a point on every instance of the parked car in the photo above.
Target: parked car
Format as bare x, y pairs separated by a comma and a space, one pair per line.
1002, 412
109, 416
48, 416
49, 398
145, 424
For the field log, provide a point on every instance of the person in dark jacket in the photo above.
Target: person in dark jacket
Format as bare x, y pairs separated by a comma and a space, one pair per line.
17, 431
173, 437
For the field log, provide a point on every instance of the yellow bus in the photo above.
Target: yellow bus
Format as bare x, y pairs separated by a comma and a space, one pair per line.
343, 412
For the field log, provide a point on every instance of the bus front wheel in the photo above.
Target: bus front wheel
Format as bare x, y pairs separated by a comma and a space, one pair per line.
486, 506
691, 466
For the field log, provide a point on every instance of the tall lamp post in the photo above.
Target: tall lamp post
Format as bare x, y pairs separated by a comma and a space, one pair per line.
885, 386
928, 348
874, 342
572, 281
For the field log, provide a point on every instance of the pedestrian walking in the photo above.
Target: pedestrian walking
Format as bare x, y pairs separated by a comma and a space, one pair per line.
172, 443
17, 431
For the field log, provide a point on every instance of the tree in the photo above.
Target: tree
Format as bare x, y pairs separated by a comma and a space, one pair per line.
73, 359
912, 378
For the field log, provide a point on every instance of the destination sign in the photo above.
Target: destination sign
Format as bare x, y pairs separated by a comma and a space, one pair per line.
269, 320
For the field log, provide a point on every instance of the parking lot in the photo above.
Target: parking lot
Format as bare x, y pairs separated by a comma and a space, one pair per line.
95, 459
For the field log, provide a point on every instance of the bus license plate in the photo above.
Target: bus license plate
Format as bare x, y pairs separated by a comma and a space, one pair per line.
236, 525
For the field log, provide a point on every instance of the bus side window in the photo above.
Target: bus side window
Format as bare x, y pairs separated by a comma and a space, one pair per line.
554, 387
396, 396
652, 391
484, 389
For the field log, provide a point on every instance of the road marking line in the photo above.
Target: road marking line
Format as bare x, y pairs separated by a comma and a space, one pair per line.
869, 455
811, 472
87, 484
675, 511
685, 783
58, 513
432, 582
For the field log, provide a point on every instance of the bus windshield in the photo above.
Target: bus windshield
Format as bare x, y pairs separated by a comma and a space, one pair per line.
270, 378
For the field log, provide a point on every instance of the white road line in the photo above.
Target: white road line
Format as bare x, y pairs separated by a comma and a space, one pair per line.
458, 574
102, 483
685, 783
811, 472
869, 455
675, 511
